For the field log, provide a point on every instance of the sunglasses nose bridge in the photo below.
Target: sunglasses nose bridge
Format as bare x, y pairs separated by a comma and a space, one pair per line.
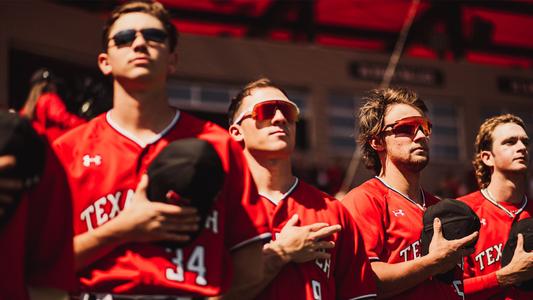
421, 128
278, 115
138, 38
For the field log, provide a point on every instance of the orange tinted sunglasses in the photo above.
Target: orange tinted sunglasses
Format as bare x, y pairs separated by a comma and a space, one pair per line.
410, 126
267, 110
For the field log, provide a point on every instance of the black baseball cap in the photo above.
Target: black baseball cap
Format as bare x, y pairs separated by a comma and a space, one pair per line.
525, 227
193, 170
458, 220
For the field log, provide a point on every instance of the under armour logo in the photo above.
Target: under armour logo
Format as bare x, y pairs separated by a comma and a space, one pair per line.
483, 221
88, 160
398, 213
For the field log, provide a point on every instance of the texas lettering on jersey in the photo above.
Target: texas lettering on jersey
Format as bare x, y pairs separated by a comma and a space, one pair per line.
411, 252
107, 207
489, 256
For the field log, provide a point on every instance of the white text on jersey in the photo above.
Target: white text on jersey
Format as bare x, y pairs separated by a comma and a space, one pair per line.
411, 252
489, 256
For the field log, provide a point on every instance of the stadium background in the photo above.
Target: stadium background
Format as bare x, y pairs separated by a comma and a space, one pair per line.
468, 60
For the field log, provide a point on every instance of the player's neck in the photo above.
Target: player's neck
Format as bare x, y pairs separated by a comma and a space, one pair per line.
506, 189
407, 183
273, 177
143, 113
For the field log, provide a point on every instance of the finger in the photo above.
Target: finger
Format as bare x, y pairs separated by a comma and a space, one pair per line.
179, 228
165, 236
7, 162
320, 255
7, 184
174, 210
292, 221
316, 226
323, 245
326, 231
182, 219
468, 239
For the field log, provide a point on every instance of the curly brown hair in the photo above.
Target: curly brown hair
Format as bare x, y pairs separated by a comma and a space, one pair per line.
152, 8
484, 143
372, 113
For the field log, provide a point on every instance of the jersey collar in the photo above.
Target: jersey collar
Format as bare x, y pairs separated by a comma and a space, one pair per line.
422, 207
136, 140
276, 202
488, 196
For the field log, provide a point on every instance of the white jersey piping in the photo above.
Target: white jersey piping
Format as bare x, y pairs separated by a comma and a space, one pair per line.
422, 207
488, 196
296, 181
136, 140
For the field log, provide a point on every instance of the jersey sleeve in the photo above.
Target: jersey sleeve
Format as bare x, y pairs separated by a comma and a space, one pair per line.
56, 112
353, 274
50, 258
247, 217
367, 214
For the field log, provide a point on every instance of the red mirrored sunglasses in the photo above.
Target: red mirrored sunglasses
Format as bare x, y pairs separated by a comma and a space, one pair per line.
267, 110
409, 126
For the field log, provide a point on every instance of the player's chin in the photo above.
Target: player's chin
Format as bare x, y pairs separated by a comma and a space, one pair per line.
519, 168
418, 163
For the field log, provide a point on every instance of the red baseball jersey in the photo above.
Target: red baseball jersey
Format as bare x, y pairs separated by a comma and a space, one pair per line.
52, 117
391, 225
37, 241
104, 164
480, 267
346, 275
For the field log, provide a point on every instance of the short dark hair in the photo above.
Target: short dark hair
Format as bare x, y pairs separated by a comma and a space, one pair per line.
484, 142
372, 114
247, 91
150, 7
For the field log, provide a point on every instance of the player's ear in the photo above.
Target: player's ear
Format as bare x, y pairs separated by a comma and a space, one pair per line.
173, 62
377, 143
235, 131
487, 158
103, 64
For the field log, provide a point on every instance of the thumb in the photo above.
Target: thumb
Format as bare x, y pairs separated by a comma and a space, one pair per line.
519, 243
437, 228
140, 191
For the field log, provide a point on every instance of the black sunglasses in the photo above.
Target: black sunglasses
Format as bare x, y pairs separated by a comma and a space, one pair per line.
125, 37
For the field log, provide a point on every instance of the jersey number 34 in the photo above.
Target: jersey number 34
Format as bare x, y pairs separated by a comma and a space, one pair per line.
195, 263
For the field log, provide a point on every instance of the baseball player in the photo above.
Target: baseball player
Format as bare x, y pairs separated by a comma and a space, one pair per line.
36, 256
394, 134
317, 251
114, 223
501, 162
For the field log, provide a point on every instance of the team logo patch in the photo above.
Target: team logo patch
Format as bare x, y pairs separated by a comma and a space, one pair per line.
483, 221
88, 160
398, 213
